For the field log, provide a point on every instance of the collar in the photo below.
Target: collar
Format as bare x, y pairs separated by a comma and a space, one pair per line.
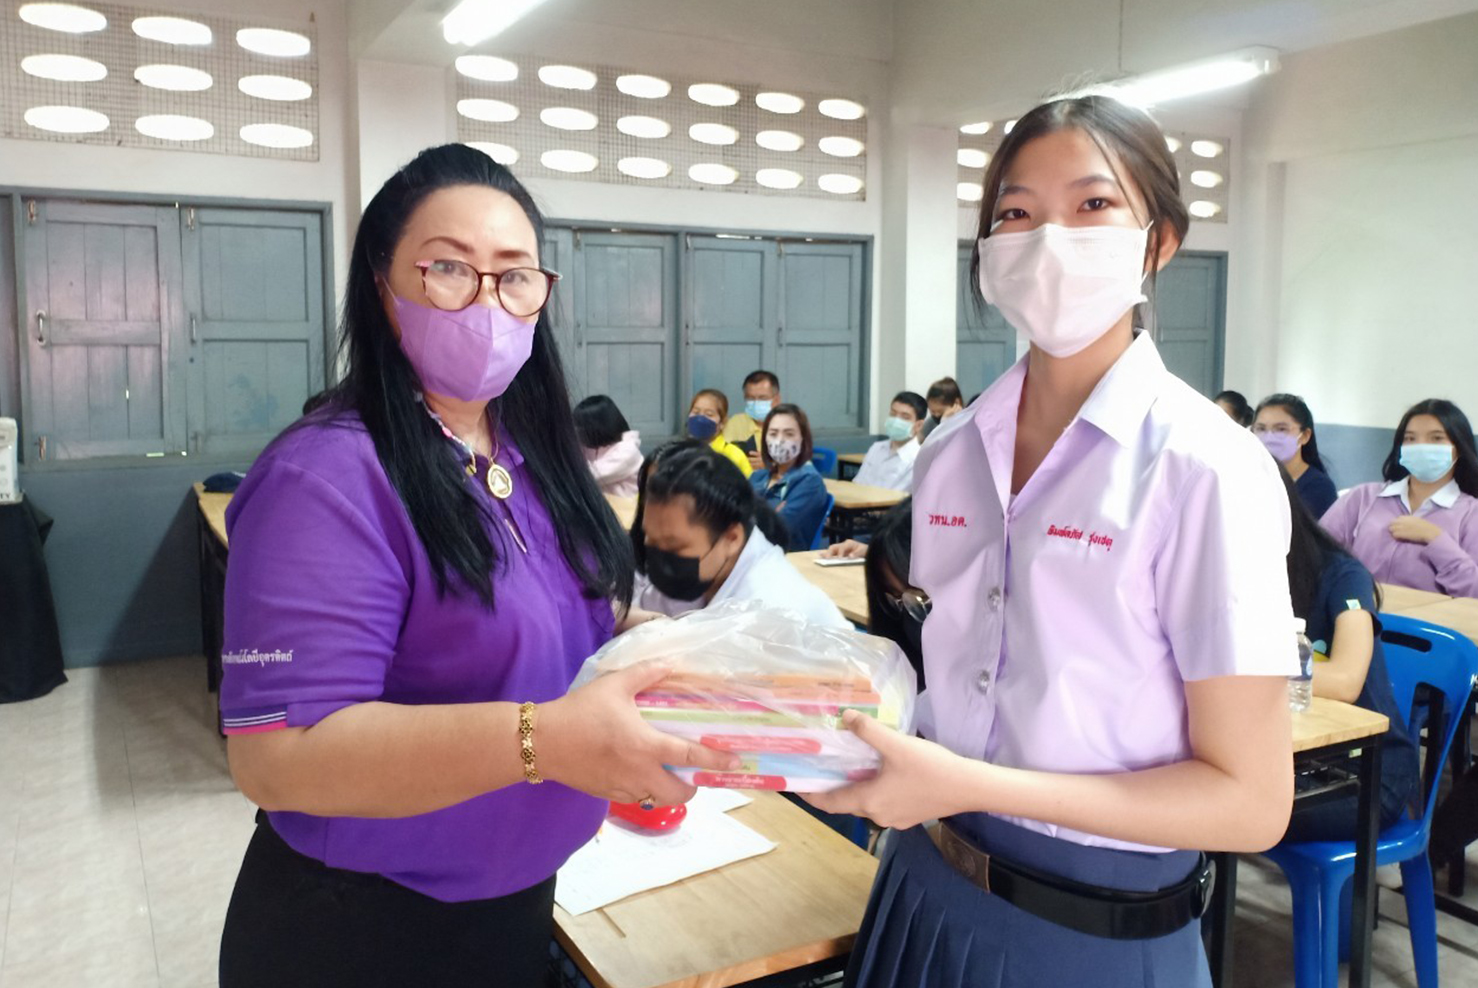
1118, 405
1445, 496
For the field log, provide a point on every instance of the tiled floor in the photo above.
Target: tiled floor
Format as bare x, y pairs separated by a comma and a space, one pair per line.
120, 836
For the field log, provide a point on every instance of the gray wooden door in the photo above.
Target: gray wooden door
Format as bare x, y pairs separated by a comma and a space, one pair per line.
626, 325
985, 343
558, 254
254, 297
819, 339
1190, 316
103, 320
731, 317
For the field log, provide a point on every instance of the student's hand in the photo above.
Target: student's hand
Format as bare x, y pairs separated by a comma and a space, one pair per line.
756, 461
952, 411
850, 549
635, 616
592, 739
917, 781
1409, 528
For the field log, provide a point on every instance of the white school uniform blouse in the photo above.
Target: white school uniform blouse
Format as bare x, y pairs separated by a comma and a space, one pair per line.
761, 573
1146, 551
884, 466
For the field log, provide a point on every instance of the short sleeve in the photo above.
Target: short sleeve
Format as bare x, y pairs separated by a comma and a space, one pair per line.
315, 596
1221, 577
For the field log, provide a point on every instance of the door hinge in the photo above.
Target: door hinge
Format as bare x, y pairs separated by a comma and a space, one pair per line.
780, 248
577, 239
30, 212
688, 240
41, 448
189, 217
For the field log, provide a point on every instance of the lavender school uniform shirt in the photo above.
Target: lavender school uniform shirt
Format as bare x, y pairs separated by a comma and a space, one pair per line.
331, 601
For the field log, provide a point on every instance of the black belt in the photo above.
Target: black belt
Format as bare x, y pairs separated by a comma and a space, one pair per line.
1090, 909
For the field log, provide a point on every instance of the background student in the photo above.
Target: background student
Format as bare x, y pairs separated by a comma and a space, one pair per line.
612, 447
1338, 599
1235, 404
789, 481
1286, 427
707, 416
702, 536
1420, 527
889, 461
746, 429
944, 399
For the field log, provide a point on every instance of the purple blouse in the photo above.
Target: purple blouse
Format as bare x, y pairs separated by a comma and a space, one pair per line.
331, 601
1361, 521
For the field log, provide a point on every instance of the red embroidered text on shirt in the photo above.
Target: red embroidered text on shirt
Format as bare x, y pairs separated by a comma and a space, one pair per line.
948, 521
1076, 535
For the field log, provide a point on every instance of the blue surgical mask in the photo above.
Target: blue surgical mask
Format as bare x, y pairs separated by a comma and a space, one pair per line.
702, 427
1427, 462
757, 409
897, 429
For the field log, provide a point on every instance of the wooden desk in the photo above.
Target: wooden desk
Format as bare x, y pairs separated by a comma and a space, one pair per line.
1328, 729
625, 508
1399, 600
796, 905
213, 510
862, 497
210, 537
1458, 613
849, 463
845, 585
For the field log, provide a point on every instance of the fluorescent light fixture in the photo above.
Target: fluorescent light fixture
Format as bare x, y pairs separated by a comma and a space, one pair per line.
1191, 79
474, 21
501, 153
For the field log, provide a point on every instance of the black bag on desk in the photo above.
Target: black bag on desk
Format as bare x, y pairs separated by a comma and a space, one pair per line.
30, 646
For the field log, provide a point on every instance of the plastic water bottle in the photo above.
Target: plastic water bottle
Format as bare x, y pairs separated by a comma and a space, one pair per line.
1301, 687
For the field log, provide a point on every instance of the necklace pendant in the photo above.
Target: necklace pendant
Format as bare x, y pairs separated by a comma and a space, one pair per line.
500, 484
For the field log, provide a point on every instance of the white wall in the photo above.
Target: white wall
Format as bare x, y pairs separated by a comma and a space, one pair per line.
97, 167
1361, 160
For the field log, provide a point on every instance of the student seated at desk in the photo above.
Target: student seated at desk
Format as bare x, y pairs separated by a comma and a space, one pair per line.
1337, 598
1286, 427
944, 399
790, 482
1419, 529
707, 417
702, 536
612, 447
889, 462
1236, 407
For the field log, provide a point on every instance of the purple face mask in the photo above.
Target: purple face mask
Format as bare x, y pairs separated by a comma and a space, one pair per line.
471, 355
1281, 444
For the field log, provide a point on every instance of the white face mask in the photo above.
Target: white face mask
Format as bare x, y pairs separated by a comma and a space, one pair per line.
1063, 287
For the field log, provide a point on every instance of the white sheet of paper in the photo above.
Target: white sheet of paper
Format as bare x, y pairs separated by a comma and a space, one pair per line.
620, 862
718, 800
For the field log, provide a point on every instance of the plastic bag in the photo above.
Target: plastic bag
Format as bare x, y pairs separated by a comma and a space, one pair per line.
763, 683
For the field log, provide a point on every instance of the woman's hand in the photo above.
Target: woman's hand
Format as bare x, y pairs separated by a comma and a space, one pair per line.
1409, 528
850, 549
626, 620
918, 780
594, 740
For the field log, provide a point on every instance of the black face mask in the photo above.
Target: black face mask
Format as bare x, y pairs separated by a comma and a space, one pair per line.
676, 576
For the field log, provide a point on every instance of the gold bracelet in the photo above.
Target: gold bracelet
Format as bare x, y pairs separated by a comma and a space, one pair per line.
526, 741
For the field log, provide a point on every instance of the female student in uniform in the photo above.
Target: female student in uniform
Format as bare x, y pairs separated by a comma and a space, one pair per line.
1286, 427
789, 482
1234, 403
1420, 527
1109, 694
707, 417
418, 570
702, 536
612, 447
1337, 598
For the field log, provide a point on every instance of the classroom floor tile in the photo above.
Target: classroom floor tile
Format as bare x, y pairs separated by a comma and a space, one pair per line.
120, 848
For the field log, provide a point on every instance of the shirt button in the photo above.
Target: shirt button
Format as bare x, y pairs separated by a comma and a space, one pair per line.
982, 681
994, 598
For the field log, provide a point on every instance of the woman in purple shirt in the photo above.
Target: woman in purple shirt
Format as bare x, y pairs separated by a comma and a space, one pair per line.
417, 571
1419, 528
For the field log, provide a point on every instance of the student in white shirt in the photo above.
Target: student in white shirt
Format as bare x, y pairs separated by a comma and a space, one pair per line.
889, 462
702, 536
612, 448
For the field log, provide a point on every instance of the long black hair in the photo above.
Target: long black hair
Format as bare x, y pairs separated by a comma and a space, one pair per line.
381, 388
599, 423
1310, 550
890, 551
1298, 410
722, 495
1242, 412
1455, 424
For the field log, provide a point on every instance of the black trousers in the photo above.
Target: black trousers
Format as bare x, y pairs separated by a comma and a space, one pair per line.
295, 921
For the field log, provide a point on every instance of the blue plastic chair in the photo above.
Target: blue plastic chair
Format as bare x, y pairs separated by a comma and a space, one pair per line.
818, 541
1319, 872
825, 460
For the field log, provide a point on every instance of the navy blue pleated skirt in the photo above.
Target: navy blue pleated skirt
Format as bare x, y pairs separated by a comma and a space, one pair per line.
927, 927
